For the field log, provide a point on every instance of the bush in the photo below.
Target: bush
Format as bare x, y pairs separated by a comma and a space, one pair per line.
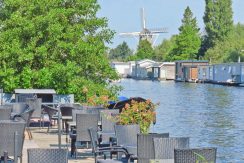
142, 113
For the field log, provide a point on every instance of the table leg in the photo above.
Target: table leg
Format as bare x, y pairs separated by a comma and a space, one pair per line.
73, 140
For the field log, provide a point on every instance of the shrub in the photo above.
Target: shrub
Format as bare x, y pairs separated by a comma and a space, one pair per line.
142, 113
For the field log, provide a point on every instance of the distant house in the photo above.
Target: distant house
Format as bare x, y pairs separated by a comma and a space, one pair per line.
124, 69
45, 94
167, 71
143, 69
187, 70
225, 73
163, 71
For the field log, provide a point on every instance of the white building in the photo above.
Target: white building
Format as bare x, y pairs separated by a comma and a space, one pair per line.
167, 71
124, 69
143, 68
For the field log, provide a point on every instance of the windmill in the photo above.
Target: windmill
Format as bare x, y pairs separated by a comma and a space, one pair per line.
146, 34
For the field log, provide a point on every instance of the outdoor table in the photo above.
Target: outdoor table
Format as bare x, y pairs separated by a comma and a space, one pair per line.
63, 118
162, 161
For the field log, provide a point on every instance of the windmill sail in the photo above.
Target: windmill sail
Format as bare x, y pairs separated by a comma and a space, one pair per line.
149, 34
143, 20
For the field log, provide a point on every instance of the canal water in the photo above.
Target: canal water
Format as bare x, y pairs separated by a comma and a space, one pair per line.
211, 115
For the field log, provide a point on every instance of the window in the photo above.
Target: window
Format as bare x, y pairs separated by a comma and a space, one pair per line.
229, 71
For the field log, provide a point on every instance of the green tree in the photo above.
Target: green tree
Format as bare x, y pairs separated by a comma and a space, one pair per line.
162, 51
230, 49
218, 19
121, 52
188, 41
144, 51
54, 44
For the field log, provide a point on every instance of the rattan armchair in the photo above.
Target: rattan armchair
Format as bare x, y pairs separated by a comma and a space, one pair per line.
12, 138
19, 108
35, 104
107, 123
83, 123
201, 155
37, 155
164, 147
26, 116
126, 136
66, 110
50, 111
5, 113
145, 147
96, 150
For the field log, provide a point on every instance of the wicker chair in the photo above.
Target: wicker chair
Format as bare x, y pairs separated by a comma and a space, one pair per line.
50, 111
145, 148
164, 147
8, 140
66, 110
94, 110
201, 155
78, 111
5, 113
19, 108
103, 150
74, 113
26, 116
83, 123
35, 103
37, 155
126, 136
107, 124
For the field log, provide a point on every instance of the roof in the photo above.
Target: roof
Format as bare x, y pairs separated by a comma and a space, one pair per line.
145, 60
120, 63
167, 64
230, 63
193, 61
35, 91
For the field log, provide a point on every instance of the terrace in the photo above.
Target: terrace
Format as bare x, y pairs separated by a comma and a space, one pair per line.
97, 134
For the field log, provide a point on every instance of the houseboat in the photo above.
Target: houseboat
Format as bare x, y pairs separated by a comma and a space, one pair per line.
164, 71
187, 70
225, 73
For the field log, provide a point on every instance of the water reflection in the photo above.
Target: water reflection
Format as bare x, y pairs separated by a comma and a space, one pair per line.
211, 115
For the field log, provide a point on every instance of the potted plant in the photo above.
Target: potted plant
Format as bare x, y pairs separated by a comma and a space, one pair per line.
142, 113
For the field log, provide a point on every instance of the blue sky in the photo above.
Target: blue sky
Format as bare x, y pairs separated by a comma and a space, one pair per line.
124, 16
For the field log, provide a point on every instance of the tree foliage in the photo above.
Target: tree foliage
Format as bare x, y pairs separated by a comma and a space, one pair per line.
121, 52
53, 44
218, 19
162, 51
188, 41
230, 49
144, 51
